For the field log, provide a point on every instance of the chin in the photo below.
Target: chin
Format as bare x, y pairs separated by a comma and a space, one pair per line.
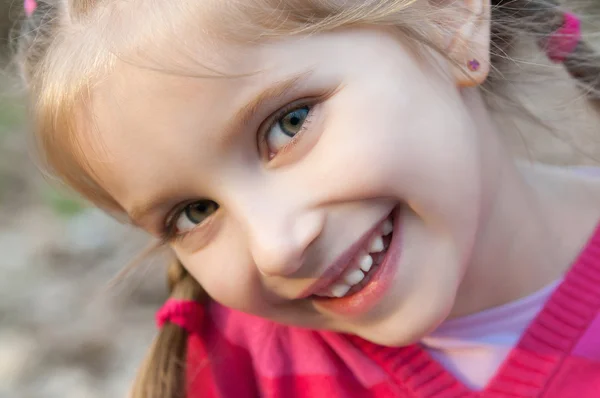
407, 326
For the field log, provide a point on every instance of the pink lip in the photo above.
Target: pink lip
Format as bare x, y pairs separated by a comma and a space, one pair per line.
347, 258
366, 298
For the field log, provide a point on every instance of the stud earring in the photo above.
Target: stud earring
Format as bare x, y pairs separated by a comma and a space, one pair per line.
473, 65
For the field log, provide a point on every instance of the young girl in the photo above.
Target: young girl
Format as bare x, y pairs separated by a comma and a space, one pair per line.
333, 174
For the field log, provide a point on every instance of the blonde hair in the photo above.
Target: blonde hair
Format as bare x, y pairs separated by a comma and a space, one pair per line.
67, 46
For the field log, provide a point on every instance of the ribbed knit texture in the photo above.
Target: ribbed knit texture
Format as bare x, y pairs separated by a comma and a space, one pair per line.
237, 355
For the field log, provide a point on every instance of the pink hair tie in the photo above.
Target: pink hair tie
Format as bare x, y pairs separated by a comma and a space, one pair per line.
186, 314
563, 42
29, 6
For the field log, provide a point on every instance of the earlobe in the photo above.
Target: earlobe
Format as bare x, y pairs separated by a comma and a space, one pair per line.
469, 47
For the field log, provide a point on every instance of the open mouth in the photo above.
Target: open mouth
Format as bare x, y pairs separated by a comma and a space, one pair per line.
363, 266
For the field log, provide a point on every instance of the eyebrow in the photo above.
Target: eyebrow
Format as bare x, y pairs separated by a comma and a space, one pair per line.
245, 115
140, 211
242, 117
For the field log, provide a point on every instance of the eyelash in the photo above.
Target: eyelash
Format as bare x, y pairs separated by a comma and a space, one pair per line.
169, 233
274, 119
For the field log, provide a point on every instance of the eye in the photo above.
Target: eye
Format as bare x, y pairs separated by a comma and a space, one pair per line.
283, 131
194, 214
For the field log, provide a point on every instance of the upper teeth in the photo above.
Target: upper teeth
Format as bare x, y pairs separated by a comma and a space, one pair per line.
353, 277
387, 227
365, 262
376, 245
356, 273
339, 289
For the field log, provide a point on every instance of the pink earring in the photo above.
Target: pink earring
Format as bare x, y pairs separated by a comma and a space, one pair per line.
473, 65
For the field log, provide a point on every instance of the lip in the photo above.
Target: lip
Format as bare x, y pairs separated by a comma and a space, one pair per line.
366, 298
343, 262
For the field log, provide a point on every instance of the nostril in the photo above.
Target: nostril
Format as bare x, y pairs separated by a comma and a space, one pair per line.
279, 249
283, 268
308, 228
276, 254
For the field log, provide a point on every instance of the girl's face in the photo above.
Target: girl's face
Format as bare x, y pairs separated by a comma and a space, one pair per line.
336, 188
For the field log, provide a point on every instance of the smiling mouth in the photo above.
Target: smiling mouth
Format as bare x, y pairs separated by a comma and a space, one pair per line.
362, 267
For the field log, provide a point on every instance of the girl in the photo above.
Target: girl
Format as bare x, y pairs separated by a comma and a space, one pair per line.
332, 173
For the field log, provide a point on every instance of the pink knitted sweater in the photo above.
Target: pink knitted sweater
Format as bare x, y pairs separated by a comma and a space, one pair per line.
237, 355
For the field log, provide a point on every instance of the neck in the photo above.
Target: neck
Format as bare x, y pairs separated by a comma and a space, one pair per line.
529, 233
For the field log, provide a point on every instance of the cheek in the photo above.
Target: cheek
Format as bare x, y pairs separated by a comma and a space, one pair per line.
384, 138
226, 271
416, 146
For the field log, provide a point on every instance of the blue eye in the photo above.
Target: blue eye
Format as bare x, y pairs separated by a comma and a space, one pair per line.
194, 214
283, 131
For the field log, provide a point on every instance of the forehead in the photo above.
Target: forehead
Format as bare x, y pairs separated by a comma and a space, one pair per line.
134, 106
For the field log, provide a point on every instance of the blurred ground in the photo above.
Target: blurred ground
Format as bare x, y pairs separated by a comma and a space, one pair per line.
63, 332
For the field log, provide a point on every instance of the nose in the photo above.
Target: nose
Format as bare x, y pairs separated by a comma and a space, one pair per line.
278, 242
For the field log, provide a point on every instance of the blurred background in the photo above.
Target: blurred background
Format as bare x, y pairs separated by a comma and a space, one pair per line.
65, 331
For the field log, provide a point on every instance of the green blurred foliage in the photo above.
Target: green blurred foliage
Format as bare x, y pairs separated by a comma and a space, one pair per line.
63, 203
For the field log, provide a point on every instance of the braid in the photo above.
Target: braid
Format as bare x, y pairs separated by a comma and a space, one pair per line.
162, 375
541, 18
182, 285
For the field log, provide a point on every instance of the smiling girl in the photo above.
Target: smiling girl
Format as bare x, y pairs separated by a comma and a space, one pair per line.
332, 180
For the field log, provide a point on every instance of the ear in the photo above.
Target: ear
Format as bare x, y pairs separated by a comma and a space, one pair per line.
469, 42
